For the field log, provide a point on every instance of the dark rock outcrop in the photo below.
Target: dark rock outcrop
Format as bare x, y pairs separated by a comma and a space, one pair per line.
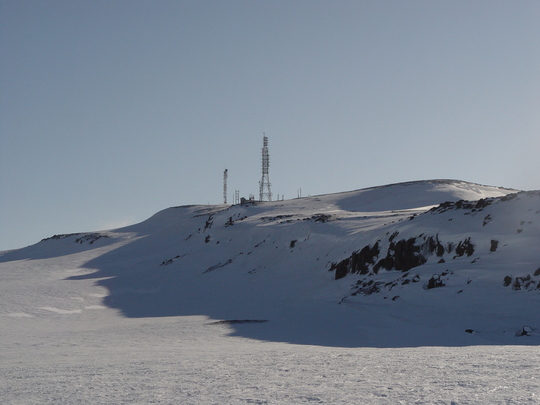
434, 282
507, 281
465, 247
402, 255
358, 262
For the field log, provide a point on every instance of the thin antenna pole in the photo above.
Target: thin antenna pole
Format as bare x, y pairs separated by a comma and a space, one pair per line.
225, 175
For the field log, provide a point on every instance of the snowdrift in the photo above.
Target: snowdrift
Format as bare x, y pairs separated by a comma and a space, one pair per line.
439, 262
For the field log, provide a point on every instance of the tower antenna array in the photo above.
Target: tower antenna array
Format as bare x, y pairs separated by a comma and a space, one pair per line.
264, 184
225, 175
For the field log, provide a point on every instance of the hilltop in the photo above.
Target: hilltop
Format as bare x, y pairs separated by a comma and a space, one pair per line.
439, 262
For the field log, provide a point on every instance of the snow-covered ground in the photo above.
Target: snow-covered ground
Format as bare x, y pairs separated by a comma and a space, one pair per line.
156, 312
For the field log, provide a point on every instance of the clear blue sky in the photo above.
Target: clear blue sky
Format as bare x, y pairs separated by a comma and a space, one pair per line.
114, 110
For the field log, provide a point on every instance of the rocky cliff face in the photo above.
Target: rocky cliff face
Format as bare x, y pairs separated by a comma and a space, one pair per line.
467, 233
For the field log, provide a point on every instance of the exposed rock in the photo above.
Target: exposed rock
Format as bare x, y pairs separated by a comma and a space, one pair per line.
434, 282
319, 218
393, 236
218, 266
238, 321
435, 245
209, 222
61, 236
527, 283
358, 262
341, 269
90, 238
474, 206
276, 218
525, 331
509, 197
465, 247
402, 255
369, 288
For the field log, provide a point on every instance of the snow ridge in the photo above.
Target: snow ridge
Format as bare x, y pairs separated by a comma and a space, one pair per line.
439, 262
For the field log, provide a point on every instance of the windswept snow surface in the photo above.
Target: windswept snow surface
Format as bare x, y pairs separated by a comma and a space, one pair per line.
375, 296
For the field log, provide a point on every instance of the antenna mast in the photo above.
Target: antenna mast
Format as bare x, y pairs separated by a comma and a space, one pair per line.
264, 184
225, 175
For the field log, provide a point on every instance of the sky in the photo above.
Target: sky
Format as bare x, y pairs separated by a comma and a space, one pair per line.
112, 110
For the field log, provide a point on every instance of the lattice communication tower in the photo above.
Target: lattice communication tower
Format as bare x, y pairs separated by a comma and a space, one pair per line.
264, 185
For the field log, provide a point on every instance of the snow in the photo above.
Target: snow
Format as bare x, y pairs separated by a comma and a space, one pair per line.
131, 315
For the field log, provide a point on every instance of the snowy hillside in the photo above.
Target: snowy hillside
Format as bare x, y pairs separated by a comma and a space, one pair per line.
405, 293
408, 264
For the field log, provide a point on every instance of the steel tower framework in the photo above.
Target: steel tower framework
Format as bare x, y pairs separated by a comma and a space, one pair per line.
264, 185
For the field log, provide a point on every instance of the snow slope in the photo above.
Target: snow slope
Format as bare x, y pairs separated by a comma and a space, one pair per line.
381, 295
277, 262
